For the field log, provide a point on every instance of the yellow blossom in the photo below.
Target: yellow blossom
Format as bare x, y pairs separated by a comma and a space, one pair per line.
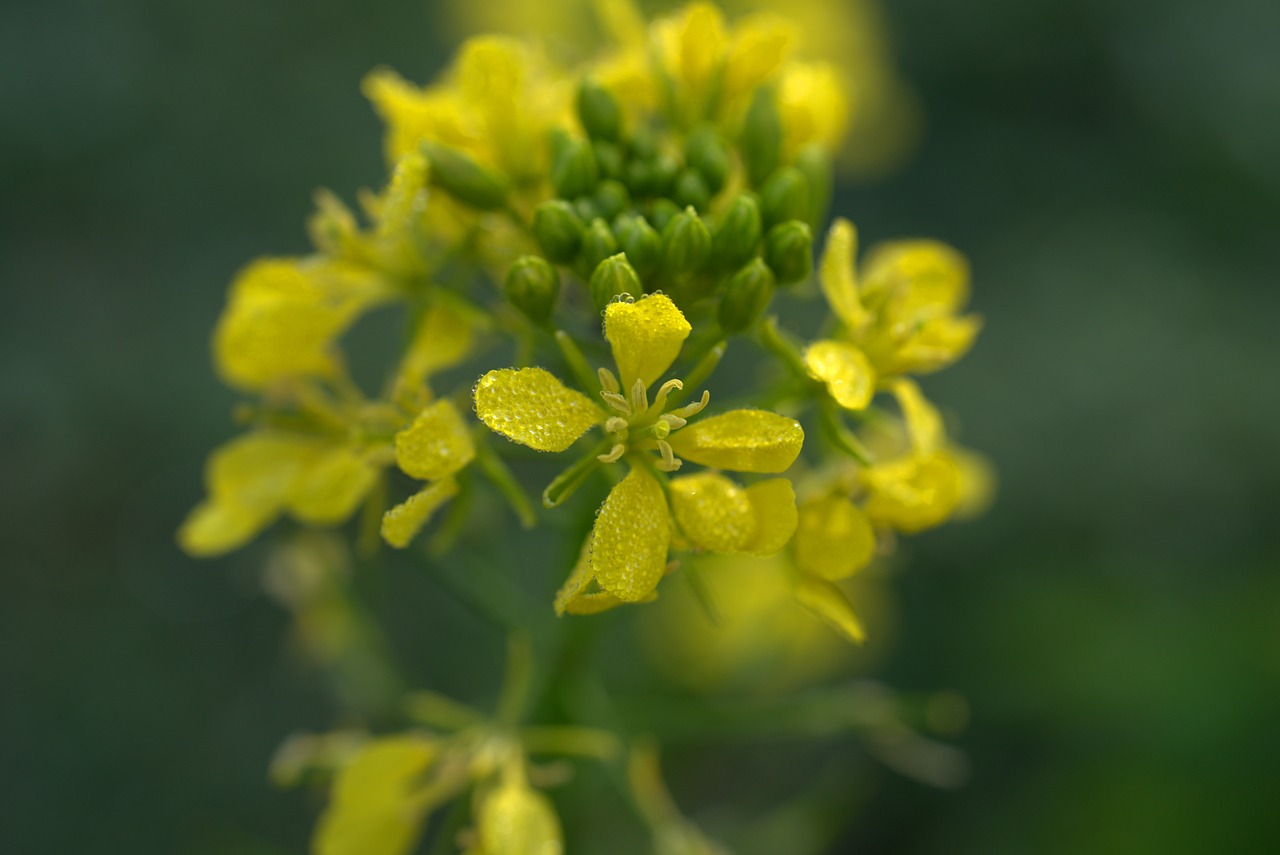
433, 449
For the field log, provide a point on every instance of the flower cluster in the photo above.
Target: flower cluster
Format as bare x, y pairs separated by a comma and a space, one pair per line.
672, 186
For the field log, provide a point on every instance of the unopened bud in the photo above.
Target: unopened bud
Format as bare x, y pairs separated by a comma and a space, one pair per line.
785, 196
707, 152
599, 111
612, 278
788, 249
609, 159
598, 244
611, 198
686, 243
661, 211
691, 189
532, 286
737, 236
463, 178
558, 230
641, 242
574, 171
761, 141
745, 296
814, 162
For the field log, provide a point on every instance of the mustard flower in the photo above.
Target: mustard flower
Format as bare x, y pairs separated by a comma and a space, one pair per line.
626, 553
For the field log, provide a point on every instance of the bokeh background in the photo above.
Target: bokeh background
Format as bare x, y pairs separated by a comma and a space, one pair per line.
1111, 168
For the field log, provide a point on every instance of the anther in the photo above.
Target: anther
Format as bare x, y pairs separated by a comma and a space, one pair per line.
669, 461
660, 399
618, 402
639, 397
607, 381
614, 424
694, 408
614, 453
674, 422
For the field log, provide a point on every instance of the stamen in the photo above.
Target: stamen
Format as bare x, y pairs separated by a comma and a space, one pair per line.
673, 421
694, 408
660, 399
614, 453
669, 461
618, 402
614, 424
639, 397
607, 381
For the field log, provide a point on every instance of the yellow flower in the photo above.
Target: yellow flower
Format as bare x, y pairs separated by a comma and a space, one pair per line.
901, 316
433, 449
283, 317
626, 554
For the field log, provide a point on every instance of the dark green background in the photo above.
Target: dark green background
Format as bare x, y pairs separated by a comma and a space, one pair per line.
1112, 169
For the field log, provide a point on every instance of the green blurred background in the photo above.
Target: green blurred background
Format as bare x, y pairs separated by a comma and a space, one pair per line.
1112, 169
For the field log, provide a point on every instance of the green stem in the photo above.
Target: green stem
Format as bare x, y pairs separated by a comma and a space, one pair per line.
567, 482
587, 379
839, 433
514, 699
502, 478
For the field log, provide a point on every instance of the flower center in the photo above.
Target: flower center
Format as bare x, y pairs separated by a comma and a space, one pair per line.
643, 426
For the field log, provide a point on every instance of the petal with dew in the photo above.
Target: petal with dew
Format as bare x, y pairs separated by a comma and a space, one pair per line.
844, 370
826, 601
515, 819
713, 512
774, 504
834, 538
741, 441
630, 539
646, 337
403, 522
436, 445
328, 490
531, 407
928, 277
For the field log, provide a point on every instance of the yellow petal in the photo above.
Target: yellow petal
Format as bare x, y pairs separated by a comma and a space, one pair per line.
531, 407
834, 539
913, 493
845, 370
760, 43
329, 488
436, 445
976, 483
574, 598
934, 344
412, 113
213, 528
813, 100
514, 819
774, 504
403, 522
630, 538
924, 424
828, 602
928, 276
646, 337
373, 809
837, 277
713, 512
741, 441
697, 41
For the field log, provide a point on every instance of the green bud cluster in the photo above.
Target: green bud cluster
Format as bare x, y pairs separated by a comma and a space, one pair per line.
633, 214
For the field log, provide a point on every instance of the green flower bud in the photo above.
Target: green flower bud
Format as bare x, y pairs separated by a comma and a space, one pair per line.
598, 244
641, 242
686, 243
610, 159
785, 196
691, 190
463, 178
761, 141
532, 286
736, 237
745, 296
662, 172
613, 277
574, 171
558, 230
661, 211
612, 198
586, 208
814, 162
788, 249
599, 111
707, 152
644, 145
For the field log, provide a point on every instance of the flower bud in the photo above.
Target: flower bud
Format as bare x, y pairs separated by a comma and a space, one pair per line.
761, 141
598, 244
463, 178
599, 111
788, 250
644, 145
641, 242
686, 243
814, 162
691, 190
611, 199
745, 296
613, 277
736, 237
707, 152
609, 158
586, 208
661, 211
532, 286
574, 171
785, 196
662, 172
558, 230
